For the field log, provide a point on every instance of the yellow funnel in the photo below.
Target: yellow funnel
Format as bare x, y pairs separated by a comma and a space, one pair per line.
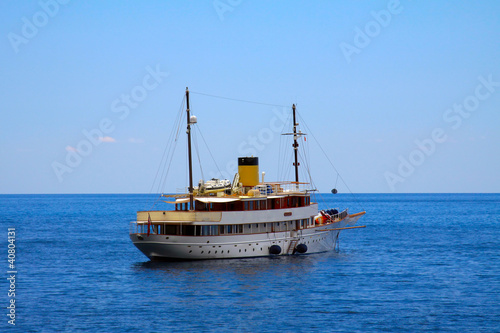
248, 168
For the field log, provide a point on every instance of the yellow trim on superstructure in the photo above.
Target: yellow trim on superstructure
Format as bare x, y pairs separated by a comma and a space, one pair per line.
180, 216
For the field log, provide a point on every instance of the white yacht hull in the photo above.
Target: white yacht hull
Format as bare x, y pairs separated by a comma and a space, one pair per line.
317, 239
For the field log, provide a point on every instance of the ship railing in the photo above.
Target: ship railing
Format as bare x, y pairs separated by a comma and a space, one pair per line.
132, 229
340, 216
141, 227
283, 188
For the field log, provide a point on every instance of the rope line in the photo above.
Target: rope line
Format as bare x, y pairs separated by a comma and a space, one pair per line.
331, 163
237, 100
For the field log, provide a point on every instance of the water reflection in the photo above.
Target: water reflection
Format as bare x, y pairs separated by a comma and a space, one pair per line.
243, 267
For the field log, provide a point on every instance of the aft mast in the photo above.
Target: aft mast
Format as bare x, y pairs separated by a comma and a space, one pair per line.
295, 146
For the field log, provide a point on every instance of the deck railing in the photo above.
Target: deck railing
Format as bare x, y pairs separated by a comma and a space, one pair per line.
339, 216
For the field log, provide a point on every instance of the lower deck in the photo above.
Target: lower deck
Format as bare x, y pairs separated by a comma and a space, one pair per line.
316, 238
218, 229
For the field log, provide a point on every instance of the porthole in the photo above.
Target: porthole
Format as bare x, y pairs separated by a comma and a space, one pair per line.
208, 252
202, 252
190, 251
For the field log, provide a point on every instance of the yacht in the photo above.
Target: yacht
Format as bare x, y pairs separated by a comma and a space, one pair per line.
247, 217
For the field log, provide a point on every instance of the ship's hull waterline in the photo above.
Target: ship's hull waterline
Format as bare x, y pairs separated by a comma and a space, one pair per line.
317, 239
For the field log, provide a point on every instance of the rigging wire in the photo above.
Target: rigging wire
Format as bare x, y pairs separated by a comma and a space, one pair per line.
282, 153
161, 185
168, 153
208, 148
307, 170
237, 100
331, 163
195, 141
165, 152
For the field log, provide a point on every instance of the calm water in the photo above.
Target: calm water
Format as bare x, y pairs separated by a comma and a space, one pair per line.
425, 262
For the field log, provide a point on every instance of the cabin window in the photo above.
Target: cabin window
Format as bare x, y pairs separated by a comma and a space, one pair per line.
170, 229
229, 229
205, 230
188, 230
214, 230
245, 205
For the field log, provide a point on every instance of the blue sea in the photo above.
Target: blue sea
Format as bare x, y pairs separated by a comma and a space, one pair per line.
424, 263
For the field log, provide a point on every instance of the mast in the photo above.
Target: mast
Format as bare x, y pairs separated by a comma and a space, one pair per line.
295, 146
189, 152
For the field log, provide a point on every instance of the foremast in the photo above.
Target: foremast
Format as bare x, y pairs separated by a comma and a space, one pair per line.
190, 120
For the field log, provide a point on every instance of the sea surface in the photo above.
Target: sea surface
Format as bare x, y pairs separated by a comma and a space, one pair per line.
424, 263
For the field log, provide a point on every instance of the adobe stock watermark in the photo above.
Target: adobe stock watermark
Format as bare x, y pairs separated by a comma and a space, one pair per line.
121, 107
373, 28
454, 116
224, 6
30, 27
256, 142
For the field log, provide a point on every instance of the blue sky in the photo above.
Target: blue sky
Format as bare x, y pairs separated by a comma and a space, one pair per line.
403, 96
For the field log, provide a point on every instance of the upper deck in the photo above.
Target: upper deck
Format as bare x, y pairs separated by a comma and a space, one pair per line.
262, 197
269, 201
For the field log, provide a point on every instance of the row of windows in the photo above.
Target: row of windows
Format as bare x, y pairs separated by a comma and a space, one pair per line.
228, 229
262, 204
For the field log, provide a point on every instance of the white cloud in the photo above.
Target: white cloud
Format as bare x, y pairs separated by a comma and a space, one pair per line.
135, 140
107, 139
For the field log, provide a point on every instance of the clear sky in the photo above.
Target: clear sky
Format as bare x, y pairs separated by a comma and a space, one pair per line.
403, 96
